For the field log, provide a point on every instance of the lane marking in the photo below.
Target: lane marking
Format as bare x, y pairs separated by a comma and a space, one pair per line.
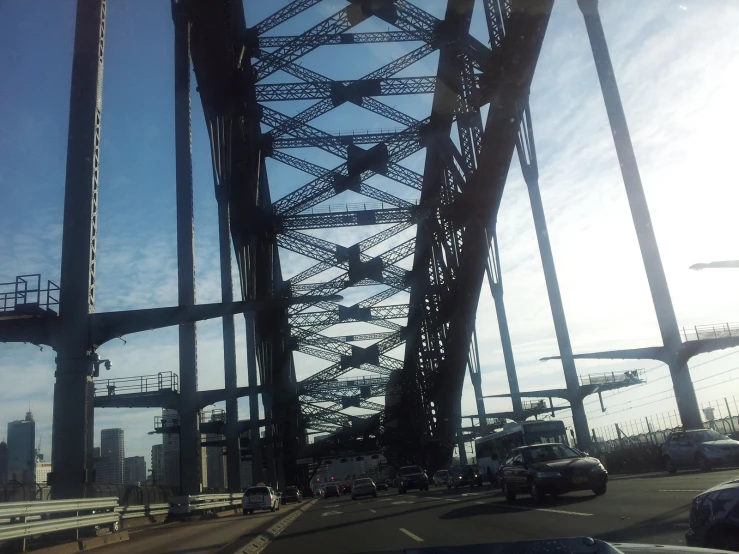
525, 508
680, 490
479, 502
385, 500
452, 499
471, 494
331, 513
373, 511
411, 535
403, 502
332, 506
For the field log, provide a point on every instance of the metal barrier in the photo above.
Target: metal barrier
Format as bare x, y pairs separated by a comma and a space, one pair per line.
203, 503
14, 516
166, 380
632, 376
25, 294
713, 331
151, 510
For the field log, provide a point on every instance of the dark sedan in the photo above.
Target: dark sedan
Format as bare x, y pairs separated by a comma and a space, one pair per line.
292, 494
554, 469
714, 518
332, 490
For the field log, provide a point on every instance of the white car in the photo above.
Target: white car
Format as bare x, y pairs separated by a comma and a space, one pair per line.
363, 487
260, 497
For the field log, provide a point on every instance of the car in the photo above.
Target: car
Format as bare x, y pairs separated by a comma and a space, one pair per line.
550, 468
260, 497
292, 494
363, 487
464, 475
701, 448
332, 490
381, 486
440, 478
714, 518
412, 477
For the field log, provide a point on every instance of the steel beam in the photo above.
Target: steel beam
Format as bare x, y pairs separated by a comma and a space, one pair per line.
73, 424
190, 458
687, 402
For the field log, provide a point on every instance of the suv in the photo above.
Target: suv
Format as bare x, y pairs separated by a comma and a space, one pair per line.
412, 477
703, 448
260, 497
460, 476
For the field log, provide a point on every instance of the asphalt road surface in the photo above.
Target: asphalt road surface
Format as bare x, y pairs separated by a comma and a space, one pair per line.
650, 509
207, 536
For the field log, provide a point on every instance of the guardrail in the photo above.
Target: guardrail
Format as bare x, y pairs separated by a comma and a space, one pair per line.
165, 380
151, 510
713, 331
15, 515
203, 503
26, 293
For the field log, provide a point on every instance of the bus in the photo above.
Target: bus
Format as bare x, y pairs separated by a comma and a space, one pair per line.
492, 449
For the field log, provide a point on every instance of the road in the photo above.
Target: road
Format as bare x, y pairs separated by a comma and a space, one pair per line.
651, 509
208, 536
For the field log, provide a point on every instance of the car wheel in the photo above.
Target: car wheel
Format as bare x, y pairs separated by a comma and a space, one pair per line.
670, 466
600, 490
510, 495
273, 509
536, 494
115, 527
703, 463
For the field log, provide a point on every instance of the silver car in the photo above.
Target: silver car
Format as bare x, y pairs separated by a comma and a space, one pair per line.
363, 487
702, 448
260, 497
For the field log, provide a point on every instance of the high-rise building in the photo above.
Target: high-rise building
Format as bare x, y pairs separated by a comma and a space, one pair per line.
134, 470
171, 449
110, 466
157, 464
3, 461
42, 471
22, 449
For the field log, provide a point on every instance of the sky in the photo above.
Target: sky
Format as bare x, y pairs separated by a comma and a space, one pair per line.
677, 66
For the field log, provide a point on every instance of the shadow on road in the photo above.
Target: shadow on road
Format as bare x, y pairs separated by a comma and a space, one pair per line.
665, 524
501, 508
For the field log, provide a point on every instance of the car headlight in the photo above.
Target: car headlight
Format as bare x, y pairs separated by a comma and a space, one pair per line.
597, 469
475, 474
460, 477
547, 474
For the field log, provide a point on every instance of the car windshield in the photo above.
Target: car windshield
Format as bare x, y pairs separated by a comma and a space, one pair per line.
548, 452
706, 436
294, 242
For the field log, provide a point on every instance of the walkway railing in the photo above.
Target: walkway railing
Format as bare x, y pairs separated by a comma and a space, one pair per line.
26, 293
354, 207
712, 331
612, 377
135, 385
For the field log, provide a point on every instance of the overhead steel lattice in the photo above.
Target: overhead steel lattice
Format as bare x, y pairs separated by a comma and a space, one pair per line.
435, 224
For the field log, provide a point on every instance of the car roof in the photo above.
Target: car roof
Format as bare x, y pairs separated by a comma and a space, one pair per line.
528, 446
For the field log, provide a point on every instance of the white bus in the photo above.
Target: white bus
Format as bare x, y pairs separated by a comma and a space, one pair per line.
492, 449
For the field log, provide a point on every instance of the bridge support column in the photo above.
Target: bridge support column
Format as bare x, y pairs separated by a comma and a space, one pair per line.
687, 402
269, 436
190, 455
233, 448
73, 421
476, 378
527, 157
495, 281
255, 439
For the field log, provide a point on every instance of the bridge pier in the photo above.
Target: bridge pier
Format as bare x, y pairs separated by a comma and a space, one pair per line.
190, 455
687, 402
73, 416
529, 167
255, 439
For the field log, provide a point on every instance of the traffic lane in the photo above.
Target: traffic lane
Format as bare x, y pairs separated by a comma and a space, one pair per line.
646, 510
195, 537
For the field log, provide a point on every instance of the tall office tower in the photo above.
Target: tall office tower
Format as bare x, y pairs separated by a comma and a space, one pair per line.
171, 450
4, 454
22, 449
157, 464
134, 470
112, 453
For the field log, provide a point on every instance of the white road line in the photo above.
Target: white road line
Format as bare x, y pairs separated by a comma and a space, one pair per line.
332, 506
680, 490
479, 502
385, 499
525, 508
411, 535
373, 511
452, 499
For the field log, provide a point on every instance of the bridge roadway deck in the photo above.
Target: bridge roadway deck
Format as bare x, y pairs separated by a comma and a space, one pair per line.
651, 509
220, 535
